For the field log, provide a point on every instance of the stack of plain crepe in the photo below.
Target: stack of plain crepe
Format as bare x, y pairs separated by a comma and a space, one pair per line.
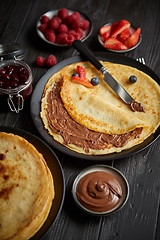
26, 188
100, 110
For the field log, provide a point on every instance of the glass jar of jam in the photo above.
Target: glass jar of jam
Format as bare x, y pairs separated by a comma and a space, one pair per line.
15, 76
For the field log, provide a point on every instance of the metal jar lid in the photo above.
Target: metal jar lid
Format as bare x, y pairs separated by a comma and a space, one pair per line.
11, 51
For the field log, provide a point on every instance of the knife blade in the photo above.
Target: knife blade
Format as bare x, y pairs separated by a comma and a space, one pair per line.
117, 88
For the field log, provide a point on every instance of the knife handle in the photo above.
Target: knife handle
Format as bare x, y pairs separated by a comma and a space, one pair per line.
81, 47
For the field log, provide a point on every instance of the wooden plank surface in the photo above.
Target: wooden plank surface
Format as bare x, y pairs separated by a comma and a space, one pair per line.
140, 218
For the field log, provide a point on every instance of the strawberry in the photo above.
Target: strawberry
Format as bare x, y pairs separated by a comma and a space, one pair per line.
104, 29
114, 25
105, 36
79, 80
122, 25
133, 39
115, 44
124, 35
81, 71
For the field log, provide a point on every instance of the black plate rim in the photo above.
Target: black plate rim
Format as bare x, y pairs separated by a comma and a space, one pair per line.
36, 102
29, 136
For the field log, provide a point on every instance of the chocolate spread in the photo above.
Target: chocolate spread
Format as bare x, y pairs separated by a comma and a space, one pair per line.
73, 133
137, 107
99, 191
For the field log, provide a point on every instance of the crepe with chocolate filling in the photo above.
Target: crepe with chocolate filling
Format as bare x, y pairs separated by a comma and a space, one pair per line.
96, 121
26, 188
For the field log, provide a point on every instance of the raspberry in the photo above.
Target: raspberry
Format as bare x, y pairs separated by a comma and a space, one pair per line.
40, 61
54, 24
77, 36
45, 19
72, 32
76, 24
77, 14
62, 28
51, 61
69, 39
79, 31
85, 24
59, 20
63, 13
43, 27
70, 20
60, 38
50, 35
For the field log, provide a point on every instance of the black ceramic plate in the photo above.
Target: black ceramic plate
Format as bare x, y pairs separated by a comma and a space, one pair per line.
38, 91
56, 170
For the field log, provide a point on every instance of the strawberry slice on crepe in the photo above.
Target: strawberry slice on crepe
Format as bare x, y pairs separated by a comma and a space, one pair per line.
133, 39
81, 71
114, 44
121, 26
81, 81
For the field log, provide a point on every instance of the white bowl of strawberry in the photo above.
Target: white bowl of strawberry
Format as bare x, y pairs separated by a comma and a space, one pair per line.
119, 36
61, 27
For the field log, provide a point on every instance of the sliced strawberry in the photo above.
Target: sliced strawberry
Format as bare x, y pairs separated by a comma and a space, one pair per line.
105, 36
115, 44
104, 29
114, 25
122, 25
79, 80
81, 71
133, 39
124, 35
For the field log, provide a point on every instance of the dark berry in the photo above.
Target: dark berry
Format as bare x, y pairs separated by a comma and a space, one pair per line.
54, 24
85, 24
63, 13
77, 14
51, 61
75, 74
95, 81
40, 61
76, 24
60, 38
62, 28
59, 20
43, 27
132, 79
79, 31
50, 35
45, 19
69, 39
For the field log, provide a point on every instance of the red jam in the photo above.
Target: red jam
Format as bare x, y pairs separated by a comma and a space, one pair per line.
15, 76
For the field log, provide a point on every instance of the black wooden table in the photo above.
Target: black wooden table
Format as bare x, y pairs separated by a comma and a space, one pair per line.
140, 218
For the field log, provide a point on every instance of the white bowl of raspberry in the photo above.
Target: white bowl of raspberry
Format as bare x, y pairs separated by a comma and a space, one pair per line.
61, 27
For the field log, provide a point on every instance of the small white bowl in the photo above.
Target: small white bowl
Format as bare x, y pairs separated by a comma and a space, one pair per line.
114, 172
132, 29
52, 13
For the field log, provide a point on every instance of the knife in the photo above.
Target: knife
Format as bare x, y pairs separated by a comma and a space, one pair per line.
117, 88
